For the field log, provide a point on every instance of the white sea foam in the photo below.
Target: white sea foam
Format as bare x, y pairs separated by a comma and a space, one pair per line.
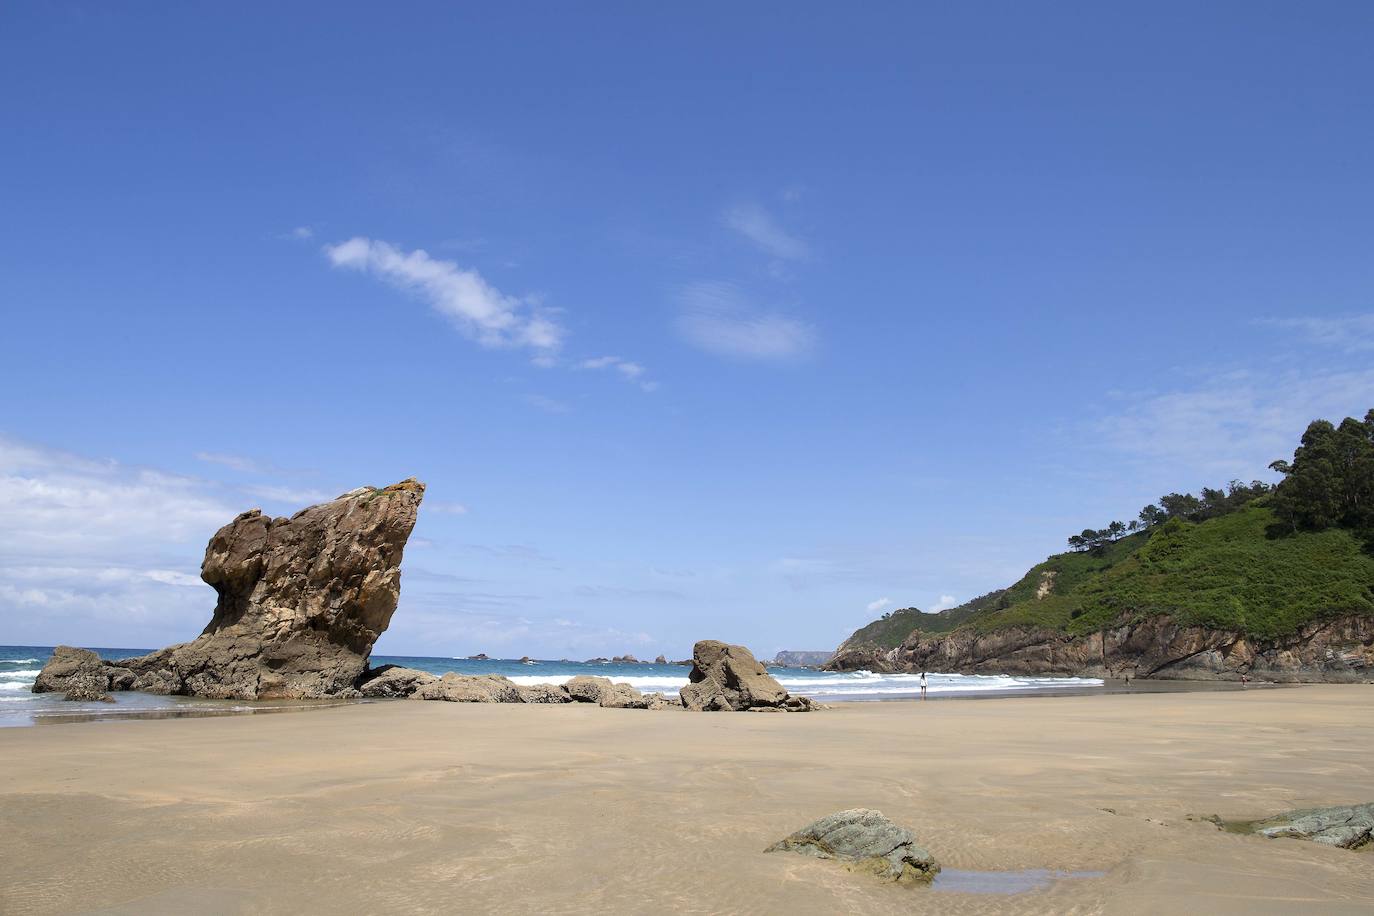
21, 685
23, 672
17, 661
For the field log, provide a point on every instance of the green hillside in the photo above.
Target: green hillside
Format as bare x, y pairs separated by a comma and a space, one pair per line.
1255, 559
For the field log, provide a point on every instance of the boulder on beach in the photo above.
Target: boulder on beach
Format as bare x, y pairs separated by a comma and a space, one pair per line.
603, 692
1346, 826
301, 602
393, 681
727, 677
545, 693
864, 840
463, 688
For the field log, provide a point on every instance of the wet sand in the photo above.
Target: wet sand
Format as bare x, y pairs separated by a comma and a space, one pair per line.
437, 807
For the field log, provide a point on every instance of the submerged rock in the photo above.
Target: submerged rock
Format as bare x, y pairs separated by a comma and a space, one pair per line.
1346, 826
726, 677
865, 841
301, 602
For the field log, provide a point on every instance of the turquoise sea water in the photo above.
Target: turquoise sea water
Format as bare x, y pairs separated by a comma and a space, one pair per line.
19, 665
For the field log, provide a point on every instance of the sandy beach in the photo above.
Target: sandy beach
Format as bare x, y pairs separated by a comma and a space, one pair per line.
442, 807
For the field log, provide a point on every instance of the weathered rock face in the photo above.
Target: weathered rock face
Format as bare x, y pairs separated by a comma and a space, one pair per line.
301, 602
726, 677
461, 688
1337, 649
865, 841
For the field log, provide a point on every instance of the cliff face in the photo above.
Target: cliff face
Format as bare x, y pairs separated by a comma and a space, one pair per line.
301, 602
1333, 649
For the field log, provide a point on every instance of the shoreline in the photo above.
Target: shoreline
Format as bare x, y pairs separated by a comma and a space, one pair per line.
429, 807
179, 707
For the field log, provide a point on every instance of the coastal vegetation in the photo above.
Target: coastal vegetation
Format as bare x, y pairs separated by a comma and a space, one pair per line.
1254, 559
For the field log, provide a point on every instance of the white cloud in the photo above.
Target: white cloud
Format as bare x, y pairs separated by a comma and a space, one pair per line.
1352, 333
303, 233
445, 508
758, 226
478, 309
717, 318
630, 371
945, 603
876, 606
100, 552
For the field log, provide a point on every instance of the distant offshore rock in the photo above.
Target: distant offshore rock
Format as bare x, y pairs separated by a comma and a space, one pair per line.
864, 840
728, 677
302, 600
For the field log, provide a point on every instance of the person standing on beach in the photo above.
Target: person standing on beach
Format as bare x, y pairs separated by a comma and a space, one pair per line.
923, 685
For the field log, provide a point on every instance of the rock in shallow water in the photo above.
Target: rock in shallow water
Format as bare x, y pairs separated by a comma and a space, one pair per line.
865, 841
1346, 826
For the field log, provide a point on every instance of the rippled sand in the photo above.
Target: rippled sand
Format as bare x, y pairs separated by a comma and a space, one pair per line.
435, 807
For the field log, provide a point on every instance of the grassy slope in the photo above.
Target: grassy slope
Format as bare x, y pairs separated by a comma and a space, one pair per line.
1223, 573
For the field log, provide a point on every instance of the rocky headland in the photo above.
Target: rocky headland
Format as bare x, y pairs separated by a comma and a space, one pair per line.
1338, 649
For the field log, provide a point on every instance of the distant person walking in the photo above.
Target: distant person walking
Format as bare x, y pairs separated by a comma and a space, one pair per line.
923, 685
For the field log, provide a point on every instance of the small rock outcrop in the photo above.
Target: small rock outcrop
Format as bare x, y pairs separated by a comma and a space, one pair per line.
603, 692
463, 688
393, 681
864, 840
301, 602
88, 687
1346, 826
726, 677
545, 693
660, 660
81, 671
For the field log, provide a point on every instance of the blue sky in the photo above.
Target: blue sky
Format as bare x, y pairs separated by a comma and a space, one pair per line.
731, 321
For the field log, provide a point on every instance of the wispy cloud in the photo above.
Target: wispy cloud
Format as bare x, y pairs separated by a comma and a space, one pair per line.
1232, 424
234, 462
630, 371
1352, 333
445, 508
478, 309
945, 603
718, 318
760, 227
546, 404
876, 606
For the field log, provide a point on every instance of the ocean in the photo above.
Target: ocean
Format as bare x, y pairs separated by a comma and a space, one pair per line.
19, 665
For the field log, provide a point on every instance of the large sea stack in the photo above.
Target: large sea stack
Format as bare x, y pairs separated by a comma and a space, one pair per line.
302, 600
